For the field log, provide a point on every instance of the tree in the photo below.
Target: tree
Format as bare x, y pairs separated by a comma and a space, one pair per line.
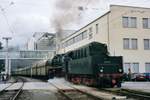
1, 45
2, 65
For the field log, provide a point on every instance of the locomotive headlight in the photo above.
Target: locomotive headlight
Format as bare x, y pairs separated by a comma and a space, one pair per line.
101, 70
120, 70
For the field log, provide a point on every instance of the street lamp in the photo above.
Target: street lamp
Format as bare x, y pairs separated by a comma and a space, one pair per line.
7, 66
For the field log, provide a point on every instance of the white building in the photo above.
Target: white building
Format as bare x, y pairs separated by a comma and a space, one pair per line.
126, 31
31, 43
46, 42
42, 41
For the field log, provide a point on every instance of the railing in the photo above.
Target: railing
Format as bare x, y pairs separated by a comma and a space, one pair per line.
26, 54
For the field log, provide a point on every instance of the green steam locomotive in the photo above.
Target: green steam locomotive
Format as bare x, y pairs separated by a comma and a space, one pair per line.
90, 65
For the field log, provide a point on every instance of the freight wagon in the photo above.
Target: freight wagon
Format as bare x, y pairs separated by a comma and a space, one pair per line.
43, 69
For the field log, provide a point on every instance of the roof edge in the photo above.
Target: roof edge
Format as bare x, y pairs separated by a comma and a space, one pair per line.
88, 24
128, 6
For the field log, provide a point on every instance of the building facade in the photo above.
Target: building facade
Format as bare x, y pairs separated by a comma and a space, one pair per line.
46, 42
125, 30
42, 41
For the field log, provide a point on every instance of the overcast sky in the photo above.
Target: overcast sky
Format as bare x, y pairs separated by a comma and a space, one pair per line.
19, 19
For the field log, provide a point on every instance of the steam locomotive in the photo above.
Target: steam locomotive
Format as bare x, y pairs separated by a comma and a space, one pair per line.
90, 65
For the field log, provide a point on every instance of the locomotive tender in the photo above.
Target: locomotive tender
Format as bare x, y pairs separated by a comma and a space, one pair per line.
90, 65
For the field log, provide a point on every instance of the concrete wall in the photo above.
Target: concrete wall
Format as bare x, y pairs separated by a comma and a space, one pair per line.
117, 33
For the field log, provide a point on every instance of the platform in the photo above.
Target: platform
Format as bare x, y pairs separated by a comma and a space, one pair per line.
139, 86
63, 84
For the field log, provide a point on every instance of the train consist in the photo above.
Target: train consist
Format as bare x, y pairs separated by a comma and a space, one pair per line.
42, 69
90, 65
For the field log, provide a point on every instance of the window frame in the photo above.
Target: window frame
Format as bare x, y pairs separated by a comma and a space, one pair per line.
146, 67
97, 28
134, 24
126, 70
148, 44
124, 45
131, 66
129, 22
147, 26
125, 22
84, 34
130, 44
90, 32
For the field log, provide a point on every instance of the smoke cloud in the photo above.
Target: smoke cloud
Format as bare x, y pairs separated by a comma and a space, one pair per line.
68, 11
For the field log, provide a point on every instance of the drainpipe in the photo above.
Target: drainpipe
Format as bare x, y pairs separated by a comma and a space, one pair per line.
108, 30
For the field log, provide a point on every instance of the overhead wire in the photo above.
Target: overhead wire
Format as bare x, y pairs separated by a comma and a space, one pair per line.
6, 19
114, 19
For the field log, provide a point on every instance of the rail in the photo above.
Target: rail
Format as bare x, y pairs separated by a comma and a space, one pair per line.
130, 93
11, 94
8, 86
19, 91
67, 93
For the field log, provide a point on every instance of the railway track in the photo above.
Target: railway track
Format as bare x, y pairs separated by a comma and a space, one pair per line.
130, 93
6, 94
75, 94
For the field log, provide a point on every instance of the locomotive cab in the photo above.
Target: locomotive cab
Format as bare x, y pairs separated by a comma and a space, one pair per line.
110, 70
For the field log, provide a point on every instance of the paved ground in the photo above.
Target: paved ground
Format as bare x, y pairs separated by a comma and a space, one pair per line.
36, 89
140, 86
38, 95
61, 83
38, 86
2, 86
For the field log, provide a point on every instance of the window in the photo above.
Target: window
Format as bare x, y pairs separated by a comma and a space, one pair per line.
70, 41
146, 23
75, 55
126, 67
146, 44
134, 67
90, 30
132, 22
130, 43
85, 52
97, 29
78, 38
82, 53
90, 33
126, 43
134, 43
129, 22
147, 67
125, 22
84, 34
